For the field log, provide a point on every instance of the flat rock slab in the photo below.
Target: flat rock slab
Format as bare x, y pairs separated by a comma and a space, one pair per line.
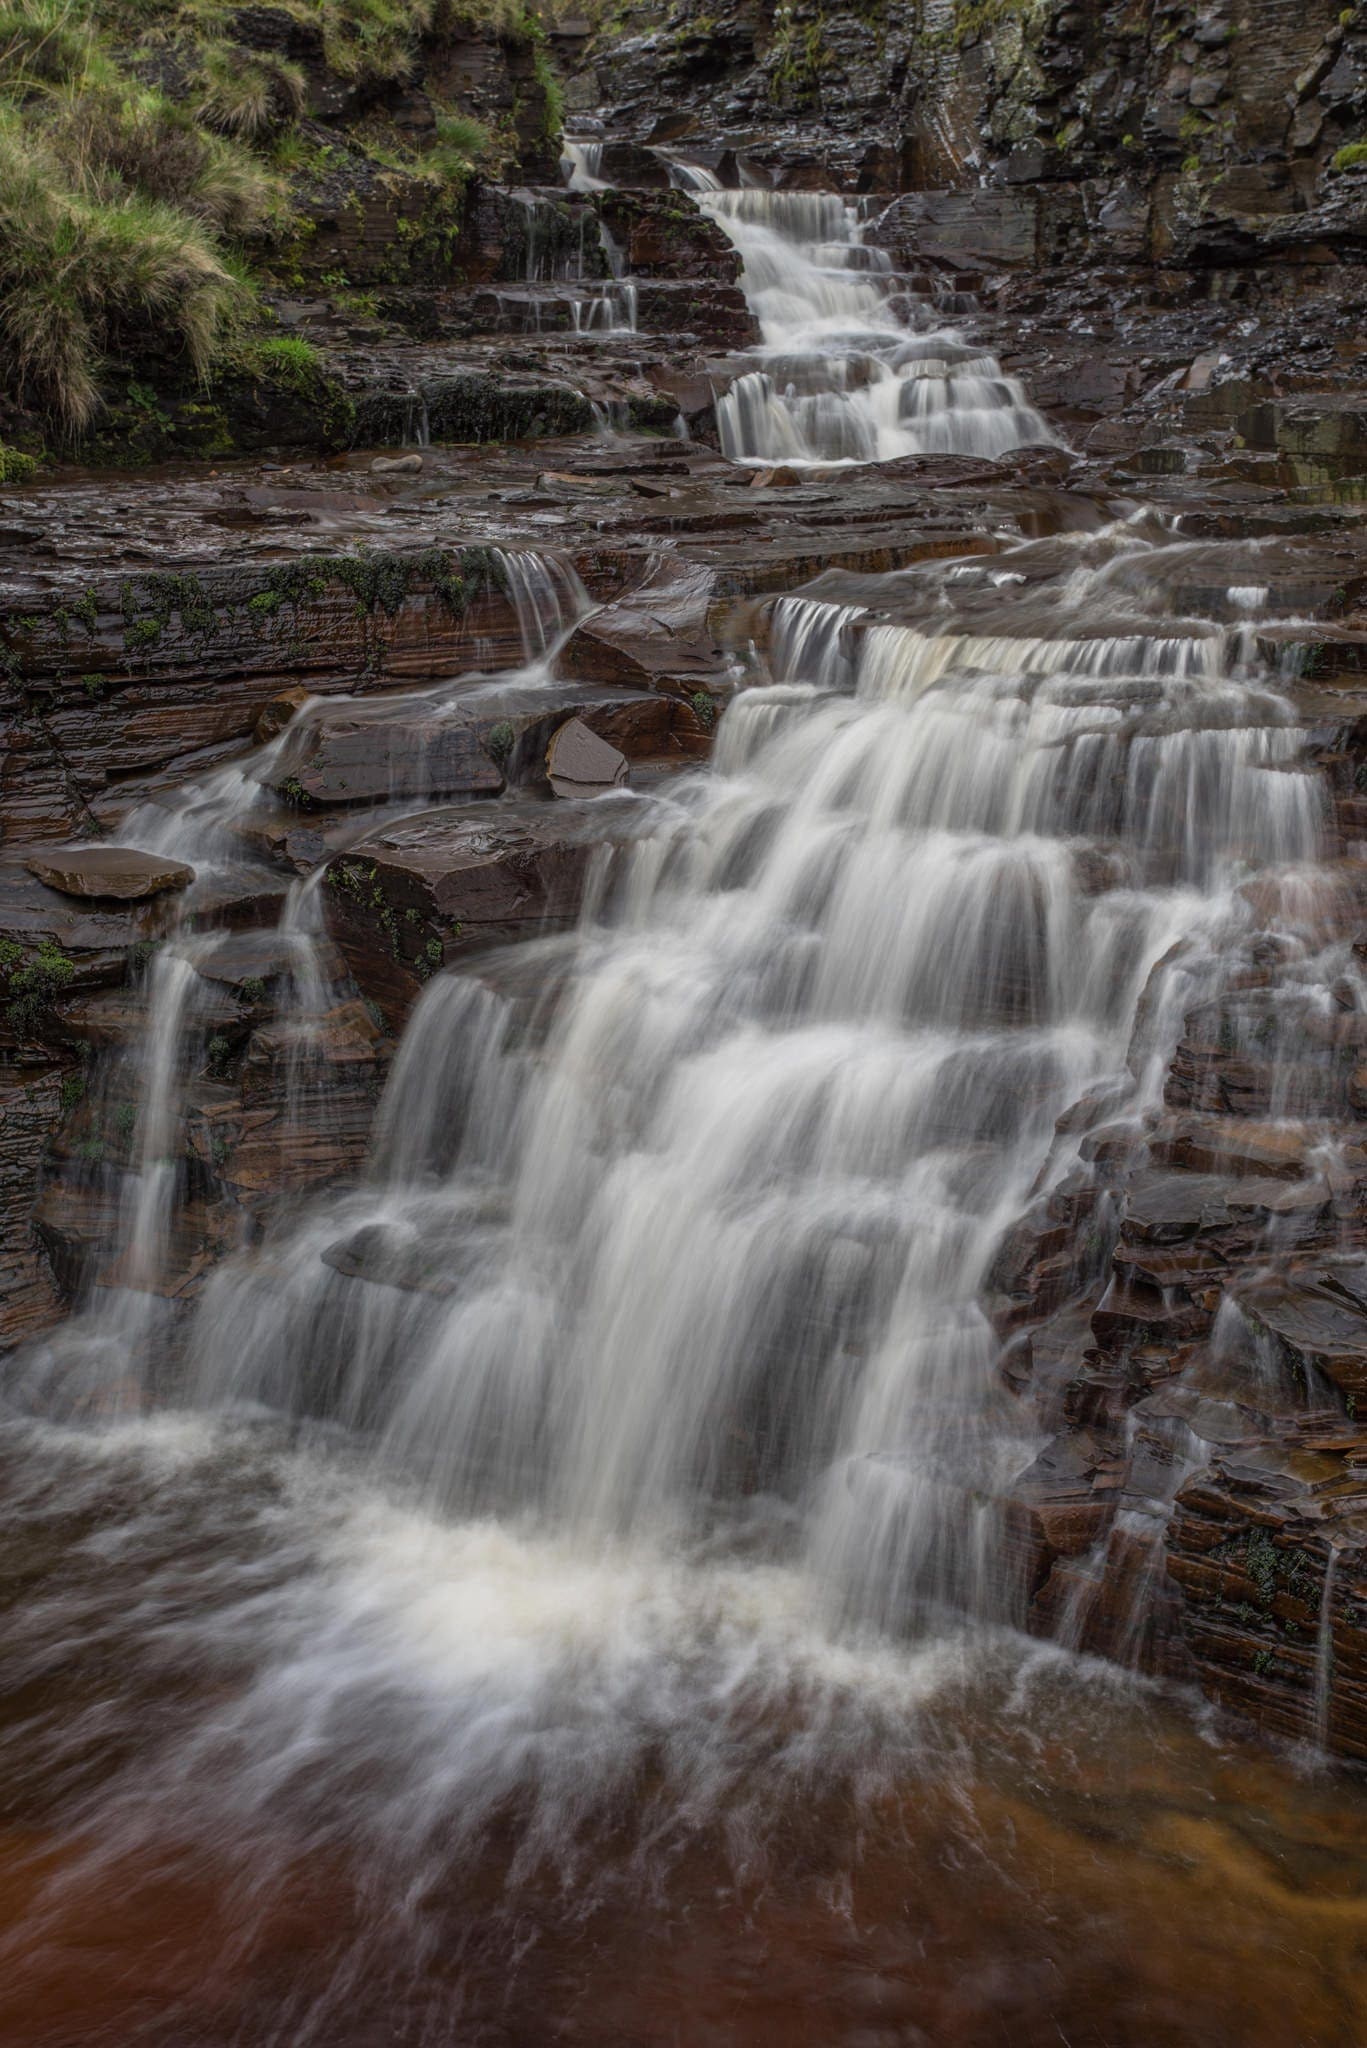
116, 873
579, 763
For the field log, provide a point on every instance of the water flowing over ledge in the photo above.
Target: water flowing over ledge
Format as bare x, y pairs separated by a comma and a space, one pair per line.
619, 1483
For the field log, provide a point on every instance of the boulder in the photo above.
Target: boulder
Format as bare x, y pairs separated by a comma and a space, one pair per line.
112, 873
579, 763
279, 712
657, 637
409, 899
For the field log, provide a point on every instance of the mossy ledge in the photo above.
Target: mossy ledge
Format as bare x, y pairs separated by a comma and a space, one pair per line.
313, 612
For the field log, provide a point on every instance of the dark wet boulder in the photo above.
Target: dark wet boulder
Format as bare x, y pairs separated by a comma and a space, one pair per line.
414, 897
656, 637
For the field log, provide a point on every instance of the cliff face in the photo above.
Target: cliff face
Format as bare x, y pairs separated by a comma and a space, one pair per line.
1150, 130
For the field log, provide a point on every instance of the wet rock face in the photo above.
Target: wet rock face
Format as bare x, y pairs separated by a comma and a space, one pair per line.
416, 897
1199, 133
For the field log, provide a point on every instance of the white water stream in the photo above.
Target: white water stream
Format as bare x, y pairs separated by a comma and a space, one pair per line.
651, 1427
840, 377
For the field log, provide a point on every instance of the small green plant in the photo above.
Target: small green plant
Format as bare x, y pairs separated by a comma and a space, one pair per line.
289, 360
72, 1092
704, 707
126, 1119
32, 982
1352, 157
500, 742
253, 990
1260, 1563
15, 466
91, 1150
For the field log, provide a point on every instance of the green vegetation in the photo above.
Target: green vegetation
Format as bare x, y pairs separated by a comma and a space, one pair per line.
1352, 157
798, 51
286, 360
145, 152
114, 208
15, 467
462, 145
31, 982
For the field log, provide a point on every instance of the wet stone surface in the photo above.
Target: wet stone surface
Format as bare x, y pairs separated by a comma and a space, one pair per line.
683, 1107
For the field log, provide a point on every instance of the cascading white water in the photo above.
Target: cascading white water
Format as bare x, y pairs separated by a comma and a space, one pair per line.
726, 1233
581, 163
840, 378
104, 1353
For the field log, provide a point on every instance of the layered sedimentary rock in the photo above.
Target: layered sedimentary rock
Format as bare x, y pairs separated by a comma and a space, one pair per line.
512, 464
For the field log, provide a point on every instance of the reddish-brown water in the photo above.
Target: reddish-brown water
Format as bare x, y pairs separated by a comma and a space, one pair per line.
242, 1808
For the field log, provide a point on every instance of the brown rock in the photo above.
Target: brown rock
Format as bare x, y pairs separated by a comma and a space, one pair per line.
409, 899
579, 763
109, 872
276, 715
656, 637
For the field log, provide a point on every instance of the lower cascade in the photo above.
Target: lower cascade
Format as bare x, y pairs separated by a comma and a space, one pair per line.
819, 1297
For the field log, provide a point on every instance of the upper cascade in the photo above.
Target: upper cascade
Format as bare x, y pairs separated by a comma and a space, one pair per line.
840, 377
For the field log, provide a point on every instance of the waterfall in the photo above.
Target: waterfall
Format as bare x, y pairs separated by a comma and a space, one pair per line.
107, 1354
839, 377
1322, 1703
725, 1235
581, 162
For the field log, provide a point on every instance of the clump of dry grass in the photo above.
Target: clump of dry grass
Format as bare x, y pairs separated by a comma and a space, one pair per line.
81, 267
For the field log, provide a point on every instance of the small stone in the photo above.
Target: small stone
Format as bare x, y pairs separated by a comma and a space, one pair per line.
579, 763
395, 465
109, 871
279, 713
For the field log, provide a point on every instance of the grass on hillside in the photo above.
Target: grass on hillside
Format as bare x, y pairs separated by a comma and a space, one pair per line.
141, 148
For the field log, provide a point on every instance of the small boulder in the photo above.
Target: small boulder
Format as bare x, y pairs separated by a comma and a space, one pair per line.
579, 763
116, 872
396, 465
279, 713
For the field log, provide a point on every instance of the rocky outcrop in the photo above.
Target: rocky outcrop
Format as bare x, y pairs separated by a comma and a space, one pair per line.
1185, 134
418, 896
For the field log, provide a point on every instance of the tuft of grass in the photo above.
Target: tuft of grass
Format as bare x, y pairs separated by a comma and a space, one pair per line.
248, 94
78, 269
461, 147
371, 41
44, 43
288, 360
1352, 157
